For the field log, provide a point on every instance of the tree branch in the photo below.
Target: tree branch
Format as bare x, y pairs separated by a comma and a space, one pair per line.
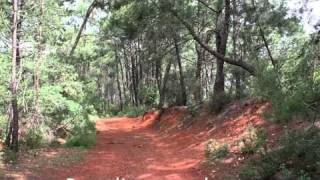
89, 11
208, 6
267, 46
205, 46
264, 38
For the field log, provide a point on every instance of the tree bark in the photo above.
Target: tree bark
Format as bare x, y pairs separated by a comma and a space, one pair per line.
183, 93
118, 80
221, 45
164, 82
13, 136
236, 73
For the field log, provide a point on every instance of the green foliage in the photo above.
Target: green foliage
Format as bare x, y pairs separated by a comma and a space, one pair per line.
83, 135
193, 109
253, 140
132, 111
297, 157
148, 95
215, 151
291, 90
10, 156
33, 139
130, 18
82, 139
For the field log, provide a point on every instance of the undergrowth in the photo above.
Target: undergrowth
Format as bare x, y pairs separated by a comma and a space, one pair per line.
131, 111
297, 157
253, 140
83, 135
215, 151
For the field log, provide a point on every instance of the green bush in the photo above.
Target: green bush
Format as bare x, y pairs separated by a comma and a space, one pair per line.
148, 95
85, 140
297, 157
33, 139
132, 111
10, 156
193, 109
291, 89
253, 140
215, 151
83, 135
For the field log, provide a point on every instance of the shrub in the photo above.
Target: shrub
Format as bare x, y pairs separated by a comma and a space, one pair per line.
249, 173
215, 150
83, 135
132, 111
193, 109
298, 156
291, 89
148, 95
253, 140
85, 140
10, 156
33, 139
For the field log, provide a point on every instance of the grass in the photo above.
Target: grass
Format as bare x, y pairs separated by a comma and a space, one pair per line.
67, 158
85, 140
36, 160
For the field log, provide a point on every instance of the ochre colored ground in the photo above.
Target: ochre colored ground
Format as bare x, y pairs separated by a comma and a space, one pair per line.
128, 148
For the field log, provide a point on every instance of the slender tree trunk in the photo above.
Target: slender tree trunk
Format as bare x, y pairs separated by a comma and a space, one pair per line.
134, 80
221, 45
86, 17
13, 136
158, 74
236, 73
164, 83
37, 67
118, 80
198, 86
265, 42
183, 93
122, 80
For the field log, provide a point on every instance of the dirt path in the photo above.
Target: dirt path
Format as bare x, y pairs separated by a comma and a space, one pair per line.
126, 148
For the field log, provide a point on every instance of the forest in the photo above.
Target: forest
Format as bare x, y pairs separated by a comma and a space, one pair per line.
128, 78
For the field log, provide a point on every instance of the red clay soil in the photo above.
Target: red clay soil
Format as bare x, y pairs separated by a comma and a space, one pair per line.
128, 148
155, 148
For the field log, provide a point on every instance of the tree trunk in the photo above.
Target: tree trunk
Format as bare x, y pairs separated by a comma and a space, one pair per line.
118, 80
183, 93
198, 86
13, 136
134, 80
221, 45
249, 68
88, 13
164, 82
37, 67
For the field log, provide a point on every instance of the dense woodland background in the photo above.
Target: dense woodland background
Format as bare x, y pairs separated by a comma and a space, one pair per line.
64, 62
